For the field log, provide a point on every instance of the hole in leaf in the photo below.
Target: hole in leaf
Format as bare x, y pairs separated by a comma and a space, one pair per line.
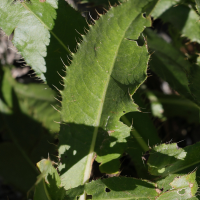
181, 192
107, 190
124, 111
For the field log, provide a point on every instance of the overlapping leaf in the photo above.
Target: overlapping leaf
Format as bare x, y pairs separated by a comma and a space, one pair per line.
122, 188
174, 105
141, 136
185, 20
25, 129
167, 161
98, 88
40, 42
162, 6
117, 188
170, 64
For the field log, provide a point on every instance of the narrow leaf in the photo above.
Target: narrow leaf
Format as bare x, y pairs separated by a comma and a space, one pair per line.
98, 89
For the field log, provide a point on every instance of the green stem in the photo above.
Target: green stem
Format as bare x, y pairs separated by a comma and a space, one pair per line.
136, 135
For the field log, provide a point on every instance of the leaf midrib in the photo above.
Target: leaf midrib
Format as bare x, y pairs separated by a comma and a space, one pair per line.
91, 151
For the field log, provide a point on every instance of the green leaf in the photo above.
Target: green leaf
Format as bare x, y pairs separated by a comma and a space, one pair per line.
119, 188
48, 185
168, 161
141, 136
156, 106
183, 187
175, 69
98, 89
162, 6
174, 105
185, 19
198, 5
39, 41
25, 130
194, 82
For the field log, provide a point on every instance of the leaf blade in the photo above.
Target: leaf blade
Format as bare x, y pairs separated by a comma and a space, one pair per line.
93, 100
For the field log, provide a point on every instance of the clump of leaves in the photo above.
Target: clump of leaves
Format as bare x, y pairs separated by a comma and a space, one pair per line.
101, 96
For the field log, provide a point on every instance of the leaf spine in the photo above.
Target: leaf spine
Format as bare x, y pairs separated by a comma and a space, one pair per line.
57, 89
57, 99
91, 18
57, 122
79, 33
60, 75
55, 108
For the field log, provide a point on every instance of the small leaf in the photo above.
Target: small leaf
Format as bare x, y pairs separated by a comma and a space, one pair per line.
141, 136
182, 187
48, 185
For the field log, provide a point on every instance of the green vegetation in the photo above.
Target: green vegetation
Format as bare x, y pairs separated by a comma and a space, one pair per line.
104, 104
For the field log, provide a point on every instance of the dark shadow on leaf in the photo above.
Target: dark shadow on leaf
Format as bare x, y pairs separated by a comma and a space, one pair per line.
23, 136
66, 26
78, 137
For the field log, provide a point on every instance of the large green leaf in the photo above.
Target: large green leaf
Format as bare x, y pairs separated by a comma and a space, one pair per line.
40, 42
168, 161
26, 136
117, 188
123, 188
98, 89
